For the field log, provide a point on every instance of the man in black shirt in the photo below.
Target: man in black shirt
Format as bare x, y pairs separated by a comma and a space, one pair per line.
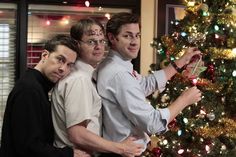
27, 129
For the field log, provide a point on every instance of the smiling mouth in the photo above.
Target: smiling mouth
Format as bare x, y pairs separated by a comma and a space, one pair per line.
133, 50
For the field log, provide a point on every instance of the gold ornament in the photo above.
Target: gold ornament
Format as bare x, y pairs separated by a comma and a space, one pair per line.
169, 44
225, 127
154, 142
203, 7
220, 53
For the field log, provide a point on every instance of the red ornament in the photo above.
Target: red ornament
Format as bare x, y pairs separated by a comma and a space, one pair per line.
157, 151
210, 72
172, 124
168, 54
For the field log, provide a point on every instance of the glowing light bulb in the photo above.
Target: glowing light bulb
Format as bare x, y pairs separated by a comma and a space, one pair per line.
165, 142
65, 21
234, 51
179, 133
100, 8
48, 22
185, 120
217, 36
205, 13
223, 147
108, 16
87, 3
216, 27
181, 151
202, 112
207, 148
234, 73
194, 81
183, 34
191, 3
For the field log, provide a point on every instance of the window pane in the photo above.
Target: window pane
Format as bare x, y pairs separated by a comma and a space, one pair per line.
7, 53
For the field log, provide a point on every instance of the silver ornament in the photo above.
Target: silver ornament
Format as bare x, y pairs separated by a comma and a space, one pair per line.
211, 116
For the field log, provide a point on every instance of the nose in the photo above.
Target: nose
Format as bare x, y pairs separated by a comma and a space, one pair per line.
134, 41
63, 68
99, 45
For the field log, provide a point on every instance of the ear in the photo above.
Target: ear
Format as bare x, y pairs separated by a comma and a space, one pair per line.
111, 37
44, 54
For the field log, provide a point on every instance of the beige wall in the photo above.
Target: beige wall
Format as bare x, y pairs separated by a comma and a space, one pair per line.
148, 20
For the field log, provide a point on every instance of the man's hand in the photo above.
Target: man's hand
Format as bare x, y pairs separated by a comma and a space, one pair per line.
130, 148
187, 56
194, 69
81, 153
190, 96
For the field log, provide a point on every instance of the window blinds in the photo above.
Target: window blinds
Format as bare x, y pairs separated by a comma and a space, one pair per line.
7, 53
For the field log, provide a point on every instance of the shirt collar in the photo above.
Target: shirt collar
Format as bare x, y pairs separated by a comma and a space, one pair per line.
87, 68
118, 58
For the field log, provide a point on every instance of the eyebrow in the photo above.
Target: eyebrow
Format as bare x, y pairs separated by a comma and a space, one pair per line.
60, 55
132, 32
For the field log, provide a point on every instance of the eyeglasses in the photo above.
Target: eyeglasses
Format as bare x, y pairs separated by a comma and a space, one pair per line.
94, 43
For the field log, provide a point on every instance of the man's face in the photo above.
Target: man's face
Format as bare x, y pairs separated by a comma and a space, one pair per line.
127, 42
92, 46
58, 64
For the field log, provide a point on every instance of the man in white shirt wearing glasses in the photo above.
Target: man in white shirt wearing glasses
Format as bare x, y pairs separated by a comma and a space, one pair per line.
76, 105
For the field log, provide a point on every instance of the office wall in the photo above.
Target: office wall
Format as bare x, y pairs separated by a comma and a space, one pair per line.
148, 30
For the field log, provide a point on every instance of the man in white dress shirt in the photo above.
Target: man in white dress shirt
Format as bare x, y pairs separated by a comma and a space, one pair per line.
76, 105
125, 109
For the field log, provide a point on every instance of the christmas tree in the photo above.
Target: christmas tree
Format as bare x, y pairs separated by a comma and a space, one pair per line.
208, 128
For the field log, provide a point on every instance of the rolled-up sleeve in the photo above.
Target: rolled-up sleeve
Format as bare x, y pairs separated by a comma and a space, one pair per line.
161, 79
165, 114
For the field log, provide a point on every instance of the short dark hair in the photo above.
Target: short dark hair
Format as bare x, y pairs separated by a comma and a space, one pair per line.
61, 39
114, 24
82, 26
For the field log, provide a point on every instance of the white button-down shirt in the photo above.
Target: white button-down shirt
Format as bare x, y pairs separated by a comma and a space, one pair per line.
125, 109
74, 100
